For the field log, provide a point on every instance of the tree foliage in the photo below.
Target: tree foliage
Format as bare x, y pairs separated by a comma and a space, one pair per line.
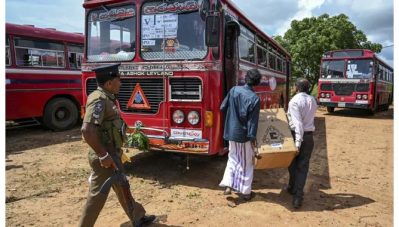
309, 38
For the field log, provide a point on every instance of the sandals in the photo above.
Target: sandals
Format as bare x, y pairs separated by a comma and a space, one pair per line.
147, 219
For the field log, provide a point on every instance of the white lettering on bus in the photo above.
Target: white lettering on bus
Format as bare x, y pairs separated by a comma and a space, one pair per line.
176, 7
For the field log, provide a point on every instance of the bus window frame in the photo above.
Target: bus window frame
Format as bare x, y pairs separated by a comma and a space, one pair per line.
110, 7
78, 59
270, 57
279, 67
264, 51
357, 61
57, 52
8, 52
245, 35
166, 59
78, 55
41, 60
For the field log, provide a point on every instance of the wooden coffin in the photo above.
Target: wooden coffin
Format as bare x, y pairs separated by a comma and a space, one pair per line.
275, 143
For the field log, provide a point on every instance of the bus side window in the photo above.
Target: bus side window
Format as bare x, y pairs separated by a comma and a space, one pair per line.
22, 57
38, 53
272, 61
279, 65
75, 60
8, 53
75, 55
262, 56
72, 61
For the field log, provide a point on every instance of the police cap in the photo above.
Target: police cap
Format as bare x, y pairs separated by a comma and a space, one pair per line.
107, 72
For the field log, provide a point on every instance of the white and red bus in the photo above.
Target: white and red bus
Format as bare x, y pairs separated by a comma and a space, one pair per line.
43, 76
355, 78
178, 61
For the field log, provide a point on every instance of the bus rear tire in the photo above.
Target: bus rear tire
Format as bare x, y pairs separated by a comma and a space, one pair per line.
330, 109
60, 114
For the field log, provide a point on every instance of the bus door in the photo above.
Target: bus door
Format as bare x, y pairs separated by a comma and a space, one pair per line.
231, 56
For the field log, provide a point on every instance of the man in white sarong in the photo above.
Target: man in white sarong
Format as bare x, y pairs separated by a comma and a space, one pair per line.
241, 107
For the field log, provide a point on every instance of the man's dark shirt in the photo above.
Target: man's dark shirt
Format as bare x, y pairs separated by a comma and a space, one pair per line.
241, 107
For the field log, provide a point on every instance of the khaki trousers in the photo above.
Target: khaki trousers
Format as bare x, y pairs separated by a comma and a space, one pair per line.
96, 200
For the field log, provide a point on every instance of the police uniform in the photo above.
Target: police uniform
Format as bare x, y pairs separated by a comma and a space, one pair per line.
102, 111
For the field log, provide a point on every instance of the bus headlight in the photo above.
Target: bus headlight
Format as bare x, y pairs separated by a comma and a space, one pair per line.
358, 96
328, 95
193, 117
365, 97
178, 116
323, 95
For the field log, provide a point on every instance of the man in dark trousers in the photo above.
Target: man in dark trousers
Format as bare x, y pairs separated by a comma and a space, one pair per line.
102, 130
301, 112
241, 107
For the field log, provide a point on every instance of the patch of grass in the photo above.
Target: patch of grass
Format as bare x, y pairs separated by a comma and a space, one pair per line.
176, 194
192, 195
314, 91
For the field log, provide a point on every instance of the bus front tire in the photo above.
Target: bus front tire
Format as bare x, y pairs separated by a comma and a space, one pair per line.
60, 114
330, 109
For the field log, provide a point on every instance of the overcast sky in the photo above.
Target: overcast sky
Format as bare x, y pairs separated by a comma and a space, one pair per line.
374, 18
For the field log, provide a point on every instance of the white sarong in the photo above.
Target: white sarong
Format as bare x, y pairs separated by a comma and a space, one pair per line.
239, 171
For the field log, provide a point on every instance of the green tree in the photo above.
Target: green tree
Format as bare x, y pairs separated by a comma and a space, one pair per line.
309, 38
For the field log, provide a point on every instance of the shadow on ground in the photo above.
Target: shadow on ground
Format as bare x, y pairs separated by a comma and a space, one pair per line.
360, 113
314, 201
207, 171
36, 137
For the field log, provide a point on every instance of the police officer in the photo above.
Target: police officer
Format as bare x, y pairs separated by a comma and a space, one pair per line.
101, 129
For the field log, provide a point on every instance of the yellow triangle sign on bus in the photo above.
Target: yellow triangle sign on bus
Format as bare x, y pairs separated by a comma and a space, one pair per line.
138, 99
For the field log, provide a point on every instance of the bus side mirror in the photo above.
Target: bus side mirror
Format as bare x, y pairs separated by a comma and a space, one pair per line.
212, 30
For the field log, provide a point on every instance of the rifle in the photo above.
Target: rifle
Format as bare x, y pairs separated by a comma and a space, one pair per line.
118, 178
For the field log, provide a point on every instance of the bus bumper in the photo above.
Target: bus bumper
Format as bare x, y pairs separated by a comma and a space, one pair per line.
174, 144
345, 105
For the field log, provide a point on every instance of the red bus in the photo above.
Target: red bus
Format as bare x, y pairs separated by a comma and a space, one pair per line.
43, 76
355, 78
178, 61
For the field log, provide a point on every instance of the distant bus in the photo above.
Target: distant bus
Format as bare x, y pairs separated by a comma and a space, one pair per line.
178, 61
43, 76
355, 78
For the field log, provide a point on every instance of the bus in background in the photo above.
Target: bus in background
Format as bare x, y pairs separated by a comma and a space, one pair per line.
43, 76
355, 78
178, 61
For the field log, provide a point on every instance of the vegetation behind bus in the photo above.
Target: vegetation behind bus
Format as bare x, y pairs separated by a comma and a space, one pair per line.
309, 38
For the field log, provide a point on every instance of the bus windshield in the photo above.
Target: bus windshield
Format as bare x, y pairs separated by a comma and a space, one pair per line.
111, 34
359, 69
172, 31
333, 69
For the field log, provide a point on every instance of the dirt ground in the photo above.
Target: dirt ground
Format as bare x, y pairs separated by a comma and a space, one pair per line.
350, 182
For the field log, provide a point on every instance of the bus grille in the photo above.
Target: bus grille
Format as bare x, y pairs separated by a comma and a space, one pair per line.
343, 89
326, 87
362, 87
153, 89
185, 89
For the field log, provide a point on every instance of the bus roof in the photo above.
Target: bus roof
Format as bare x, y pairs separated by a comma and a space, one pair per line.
43, 33
357, 53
